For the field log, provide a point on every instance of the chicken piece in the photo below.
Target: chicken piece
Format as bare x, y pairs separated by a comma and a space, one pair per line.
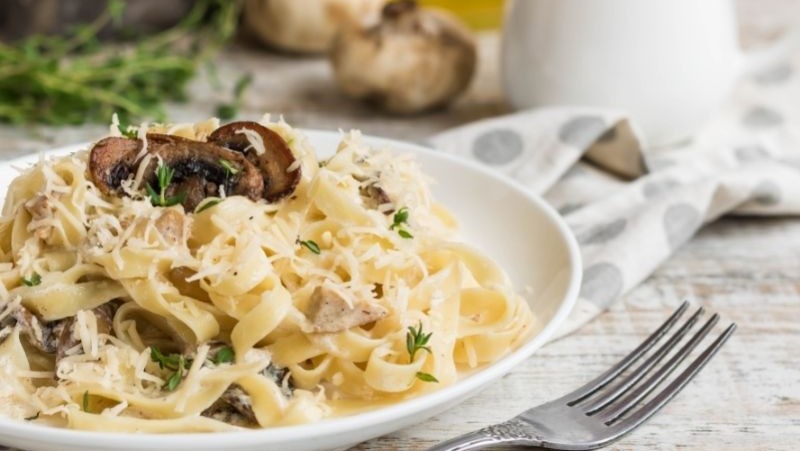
328, 312
41, 207
170, 226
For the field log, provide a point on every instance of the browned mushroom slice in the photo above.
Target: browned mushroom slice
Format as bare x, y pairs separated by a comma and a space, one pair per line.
104, 315
329, 312
40, 334
235, 405
199, 167
274, 159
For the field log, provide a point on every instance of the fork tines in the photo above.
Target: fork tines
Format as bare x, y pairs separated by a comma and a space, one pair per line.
611, 396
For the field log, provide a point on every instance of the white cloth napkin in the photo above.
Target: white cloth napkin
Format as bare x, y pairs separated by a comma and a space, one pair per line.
631, 207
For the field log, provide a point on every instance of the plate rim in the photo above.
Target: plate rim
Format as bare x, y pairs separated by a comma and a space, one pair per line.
455, 393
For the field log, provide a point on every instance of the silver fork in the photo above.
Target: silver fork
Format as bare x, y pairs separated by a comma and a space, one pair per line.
603, 410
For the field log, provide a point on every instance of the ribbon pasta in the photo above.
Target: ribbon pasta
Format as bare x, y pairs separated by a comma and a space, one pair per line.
241, 274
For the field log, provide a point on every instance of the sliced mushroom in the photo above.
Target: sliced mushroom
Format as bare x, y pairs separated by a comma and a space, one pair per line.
198, 167
373, 195
192, 289
272, 155
235, 405
40, 334
329, 312
67, 340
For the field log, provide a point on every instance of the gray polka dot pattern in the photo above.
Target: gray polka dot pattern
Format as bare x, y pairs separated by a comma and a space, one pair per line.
602, 284
657, 188
750, 153
774, 75
569, 208
498, 147
582, 131
762, 117
767, 193
681, 221
657, 164
602, 233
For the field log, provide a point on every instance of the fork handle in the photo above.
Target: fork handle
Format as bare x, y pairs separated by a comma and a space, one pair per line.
473, 440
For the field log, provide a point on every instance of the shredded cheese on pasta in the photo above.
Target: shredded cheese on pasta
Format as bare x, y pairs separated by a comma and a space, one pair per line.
237, 274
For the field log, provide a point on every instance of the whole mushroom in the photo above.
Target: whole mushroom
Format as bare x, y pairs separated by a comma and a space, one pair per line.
413, 59
303, 26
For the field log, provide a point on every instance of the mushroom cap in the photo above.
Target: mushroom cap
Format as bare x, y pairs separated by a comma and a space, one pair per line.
198, 170
274, 162
303, 26
414, 59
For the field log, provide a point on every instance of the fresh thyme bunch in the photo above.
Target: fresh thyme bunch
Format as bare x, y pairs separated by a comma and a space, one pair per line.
60, 80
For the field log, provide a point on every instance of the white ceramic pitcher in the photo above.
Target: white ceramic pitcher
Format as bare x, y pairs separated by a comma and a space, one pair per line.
669, 63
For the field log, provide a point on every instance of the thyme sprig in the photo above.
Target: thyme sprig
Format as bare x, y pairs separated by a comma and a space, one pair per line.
73, 79
400, 223
177, 363
159, 198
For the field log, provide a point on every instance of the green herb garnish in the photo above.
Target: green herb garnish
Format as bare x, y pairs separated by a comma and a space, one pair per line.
416, 340
73, 78
174, 380
400, 222
174, 362
159, 198
227, 111
230, 168
128, 131
310, 245
209, 202
85, 404
32, 280
224, 355
425, 377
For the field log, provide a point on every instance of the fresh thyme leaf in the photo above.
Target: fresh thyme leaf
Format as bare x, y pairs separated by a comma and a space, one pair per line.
230, 168
73, 79
129, 132
416, 339
310, 245
115, 10
174, 362
32, 280
400, 217
399, 222
224, 355
209, 202
158, 198
227, 111
425, 377
174, 380
85, 404
170, 362
174, 200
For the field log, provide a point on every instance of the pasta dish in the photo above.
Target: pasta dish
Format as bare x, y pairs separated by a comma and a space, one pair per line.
199, 278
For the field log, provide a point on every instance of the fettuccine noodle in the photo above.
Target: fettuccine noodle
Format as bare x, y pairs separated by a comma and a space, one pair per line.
311, 297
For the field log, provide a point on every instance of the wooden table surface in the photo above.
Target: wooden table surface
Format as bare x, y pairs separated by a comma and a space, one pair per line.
748, 270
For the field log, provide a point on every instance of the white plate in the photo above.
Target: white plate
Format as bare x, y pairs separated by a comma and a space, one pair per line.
519, 230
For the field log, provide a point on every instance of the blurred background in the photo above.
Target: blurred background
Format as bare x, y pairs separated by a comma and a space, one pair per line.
67, 65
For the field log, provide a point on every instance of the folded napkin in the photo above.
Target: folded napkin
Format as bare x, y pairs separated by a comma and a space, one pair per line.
631, 206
